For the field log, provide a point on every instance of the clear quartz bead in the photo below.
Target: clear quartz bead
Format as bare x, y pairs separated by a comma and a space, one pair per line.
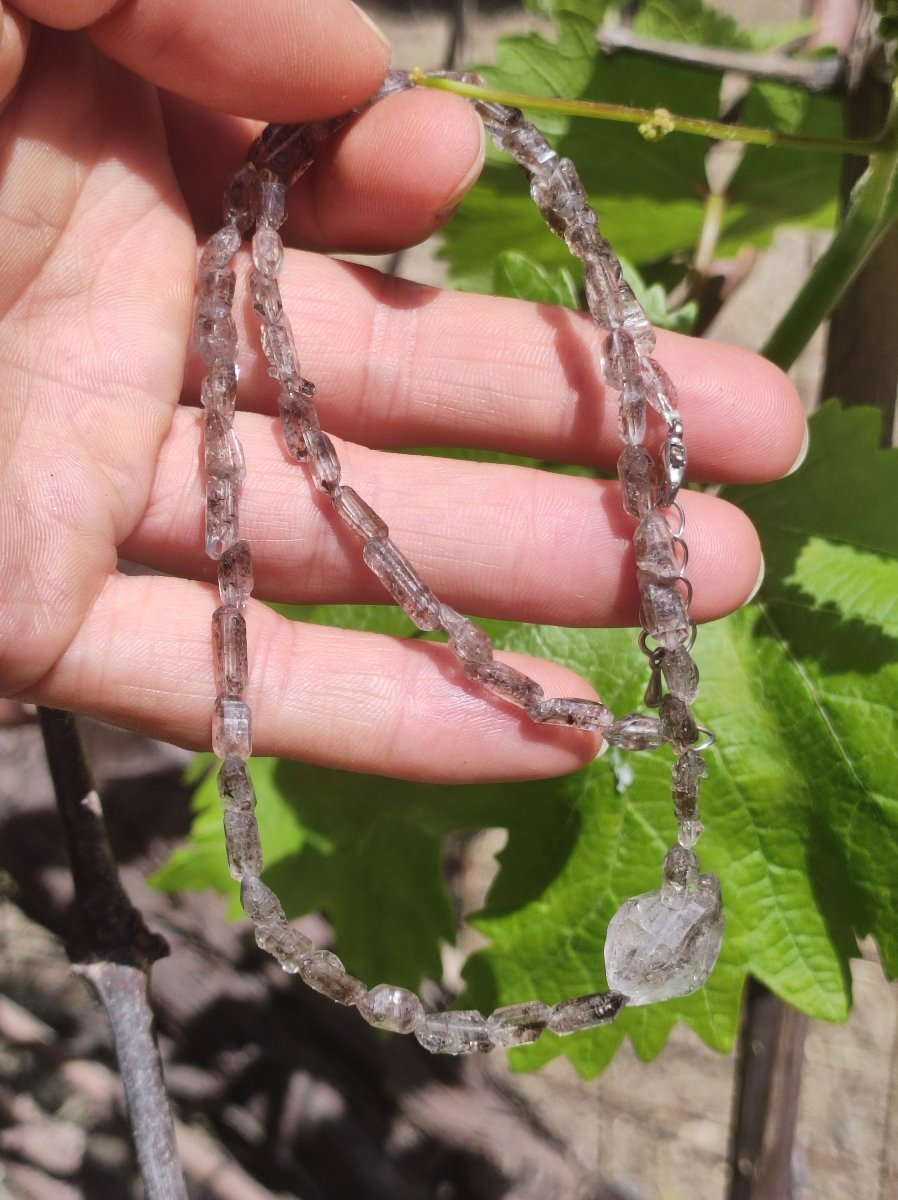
220, 248
297, 416
631, 414
621, 360
681, 672
241, 197
467, 641
219, 389
603, 280
235, 575
518, 1024
359, 515
216, 338
688, 833
664, 612
272, 201
686, 779
678, 723
323, 971
221, 516
528, 147
403, 582
654, 548
243, 844
229, 652
581, 714
659, 389
223, 452
654, 952
636, 471
216, 292
235, 786
635, 321
231, 728
323, 461
260, 903
585, 1012
461, 1032
635, 732
288, 946
680, 876
393, 1008
280, 350
266, 294
506, 682
268, 252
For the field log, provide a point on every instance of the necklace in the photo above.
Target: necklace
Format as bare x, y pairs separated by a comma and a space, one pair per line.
660, 945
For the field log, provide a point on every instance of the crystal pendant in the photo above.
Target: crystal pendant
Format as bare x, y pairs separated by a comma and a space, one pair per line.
657, 952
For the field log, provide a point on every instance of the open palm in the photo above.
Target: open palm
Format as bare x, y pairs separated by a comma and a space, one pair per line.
104, 180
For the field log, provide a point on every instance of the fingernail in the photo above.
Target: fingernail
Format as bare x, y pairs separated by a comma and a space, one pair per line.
802, 453
754, 591
470, 177
374, 28
603, 749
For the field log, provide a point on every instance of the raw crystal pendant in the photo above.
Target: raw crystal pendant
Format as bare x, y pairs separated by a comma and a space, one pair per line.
654, 952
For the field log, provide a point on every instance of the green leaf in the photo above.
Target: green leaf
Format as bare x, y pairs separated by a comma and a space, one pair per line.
516, 275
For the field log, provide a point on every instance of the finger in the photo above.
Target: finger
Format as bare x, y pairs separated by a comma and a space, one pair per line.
398, 364
389, 180
14, 35
499, 541
281, 60
363, 702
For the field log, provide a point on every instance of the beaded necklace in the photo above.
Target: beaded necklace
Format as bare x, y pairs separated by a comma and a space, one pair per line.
659, 945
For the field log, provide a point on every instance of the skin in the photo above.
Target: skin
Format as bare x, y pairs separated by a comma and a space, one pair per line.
118, 131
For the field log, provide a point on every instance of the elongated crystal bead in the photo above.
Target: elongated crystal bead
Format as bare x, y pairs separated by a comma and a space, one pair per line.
680, 876
235, 786
218, 390
681, 672
241, 197
528, 147
268, 252
231, 728
403, 582
635, 320
467, 641
323, 461
636, 472
654, 548
603, 281
280, 350
229, 652
216, 292
461, 1032
243, 844
659, 389
678, 723
221, 516
272, 201
621, 360
235, 575
324, 972
359, 515
686, 778
288, 946
581, 714
635, 732
503, 680
631, 414
266, 294
654, 952
688, 833
297, 416
216, 338
664, 612
518, 1024
260, 903
220, 248
585, 1012
393, 1008
223, 452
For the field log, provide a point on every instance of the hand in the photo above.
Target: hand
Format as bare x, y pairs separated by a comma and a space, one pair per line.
106, 177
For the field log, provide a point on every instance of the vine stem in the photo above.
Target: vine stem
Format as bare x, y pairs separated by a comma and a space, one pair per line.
655, 123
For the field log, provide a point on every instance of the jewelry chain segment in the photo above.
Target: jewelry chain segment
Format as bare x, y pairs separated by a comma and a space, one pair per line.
659, 945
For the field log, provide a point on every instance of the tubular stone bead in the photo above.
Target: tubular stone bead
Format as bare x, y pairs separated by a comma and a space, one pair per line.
268, 252
688, 833
280, 350
219, 390
220, 248
235, 575
229, 652
260, 903
243, 844
223, 452
603, 280
527, 146
686, 780
585, 1012
287, 946
635, 321
297, 415
620, 360
403, 582
467, 641
323, 971
581, 714
394, 1008
222, 521
636, 471
664, 611
653, 545
518, 1024
272, 201
504, 681
285, 150
680, 876
216, 338
231, 728
359, 515
681, 672
635, 732
216, 292
463, 1031
323, 461
582, 235
659, 389
631, 414
241, 197
235, 786
266, 295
